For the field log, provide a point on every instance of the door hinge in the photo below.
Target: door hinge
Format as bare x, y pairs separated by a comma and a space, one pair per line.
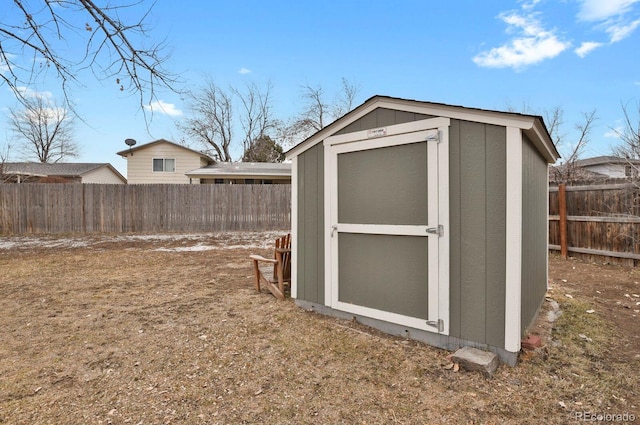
439, 324
436, 230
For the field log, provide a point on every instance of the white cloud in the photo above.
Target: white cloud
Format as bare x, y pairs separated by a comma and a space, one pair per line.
587, 47
244, 71
533, 44
609, 16
526, 5
614, 133
53, 113
27, 92
4, 66
164, 108
600, 10
620, 32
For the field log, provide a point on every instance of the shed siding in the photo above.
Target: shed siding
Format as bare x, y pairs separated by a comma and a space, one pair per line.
478, 233
534, 232
477, 225
310, 279
382, 117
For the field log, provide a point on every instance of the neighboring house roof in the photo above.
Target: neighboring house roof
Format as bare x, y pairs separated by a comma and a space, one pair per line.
127, 152
261, 170
39, 169
532, 125
558, 173
598, 168
599, 160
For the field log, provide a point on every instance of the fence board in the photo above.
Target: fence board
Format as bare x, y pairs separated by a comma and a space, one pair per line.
603, 222
95, 208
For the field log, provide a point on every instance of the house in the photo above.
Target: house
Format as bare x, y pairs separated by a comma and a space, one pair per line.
37, 172
604, 167
243, 173
425, 220
162, 161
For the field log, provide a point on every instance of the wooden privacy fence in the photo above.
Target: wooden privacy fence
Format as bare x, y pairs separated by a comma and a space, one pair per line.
600, 222
90, 208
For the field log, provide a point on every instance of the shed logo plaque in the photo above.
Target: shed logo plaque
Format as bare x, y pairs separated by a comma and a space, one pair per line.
377, 132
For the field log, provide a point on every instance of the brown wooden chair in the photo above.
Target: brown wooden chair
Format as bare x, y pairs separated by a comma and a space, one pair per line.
276, 273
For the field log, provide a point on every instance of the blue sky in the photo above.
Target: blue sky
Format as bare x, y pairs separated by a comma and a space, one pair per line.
530, 56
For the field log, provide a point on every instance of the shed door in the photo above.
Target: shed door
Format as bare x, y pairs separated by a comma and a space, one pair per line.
384, 231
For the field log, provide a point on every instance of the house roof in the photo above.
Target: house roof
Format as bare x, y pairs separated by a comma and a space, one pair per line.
126, 152
605, 159
39, 169
243, 170
532, 125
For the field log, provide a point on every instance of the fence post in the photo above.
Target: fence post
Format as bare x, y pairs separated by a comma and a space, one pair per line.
562, 206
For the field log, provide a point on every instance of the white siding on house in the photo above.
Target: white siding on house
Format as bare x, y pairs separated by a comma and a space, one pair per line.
611, 170
140, 164
102, 175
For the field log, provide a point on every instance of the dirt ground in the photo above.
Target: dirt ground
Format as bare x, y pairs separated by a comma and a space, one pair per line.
167, 329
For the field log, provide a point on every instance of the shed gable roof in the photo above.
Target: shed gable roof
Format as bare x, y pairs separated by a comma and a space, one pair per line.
532, 125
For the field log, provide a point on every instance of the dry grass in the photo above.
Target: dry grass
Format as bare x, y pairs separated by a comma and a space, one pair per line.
118, 333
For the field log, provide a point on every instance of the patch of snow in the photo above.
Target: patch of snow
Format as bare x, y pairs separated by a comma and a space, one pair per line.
47, 242
226, 240
186, 248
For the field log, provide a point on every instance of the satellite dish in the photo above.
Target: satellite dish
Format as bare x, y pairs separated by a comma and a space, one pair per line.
130, 142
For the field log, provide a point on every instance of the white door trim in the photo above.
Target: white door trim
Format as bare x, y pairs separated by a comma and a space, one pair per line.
392, 130
513, 272
294, 227
436, 134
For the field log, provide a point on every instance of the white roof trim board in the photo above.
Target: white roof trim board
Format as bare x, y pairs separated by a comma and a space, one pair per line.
532, 125
243, 170
131, 150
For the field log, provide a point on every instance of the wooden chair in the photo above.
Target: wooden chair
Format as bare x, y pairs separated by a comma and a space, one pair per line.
277, 272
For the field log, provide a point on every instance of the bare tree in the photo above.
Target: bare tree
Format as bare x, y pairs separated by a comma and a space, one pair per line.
44, 129
256, 117
629, 133
32, 33
554, 119
345, 99
4, 158
569, 171
212, 122
318, 111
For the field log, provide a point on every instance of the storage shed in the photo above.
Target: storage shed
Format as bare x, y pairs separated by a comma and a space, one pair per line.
425, 220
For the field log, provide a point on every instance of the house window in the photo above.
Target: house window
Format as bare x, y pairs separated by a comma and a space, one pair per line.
164, 165
248, 181
218, 181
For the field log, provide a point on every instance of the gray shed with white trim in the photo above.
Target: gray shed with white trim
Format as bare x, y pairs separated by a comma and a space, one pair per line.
425, 220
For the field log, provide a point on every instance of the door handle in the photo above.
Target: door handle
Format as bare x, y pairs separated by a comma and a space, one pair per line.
334, 228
